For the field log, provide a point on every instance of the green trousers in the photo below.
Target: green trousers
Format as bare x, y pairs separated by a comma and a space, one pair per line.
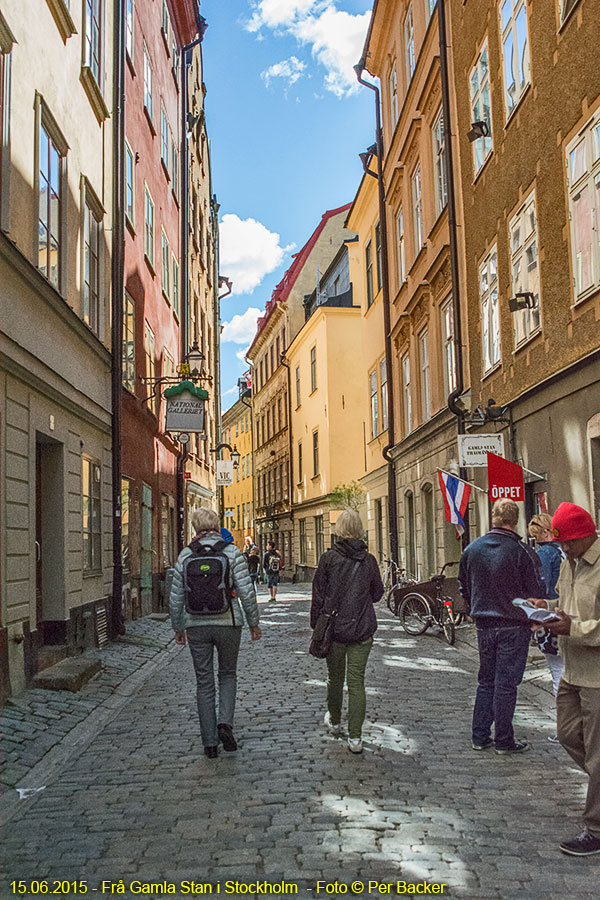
347, 662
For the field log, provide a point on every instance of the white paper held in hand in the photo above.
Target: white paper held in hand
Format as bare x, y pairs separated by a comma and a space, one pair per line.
535, 613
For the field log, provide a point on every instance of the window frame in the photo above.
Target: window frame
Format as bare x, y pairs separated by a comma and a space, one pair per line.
374, 398
524, 319
448, 348
129, 28
164, 138
315, 452
369, 273
92, 548
47, 125
128, 378
424, 374
439, 162
298, 394
149, 227
393, 95
383, 380
400, 247
416, 189
406, 394
165, 281
148, 84
313, 368
378, 255
489, 311
150, 365
93, 45
477, 102
511, 30
409, 44
587, 179
91, 304
129, 155
175, 299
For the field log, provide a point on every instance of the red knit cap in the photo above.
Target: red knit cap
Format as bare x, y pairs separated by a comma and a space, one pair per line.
571, 522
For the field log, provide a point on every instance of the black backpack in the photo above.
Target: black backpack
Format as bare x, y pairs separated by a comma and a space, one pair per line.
207, 582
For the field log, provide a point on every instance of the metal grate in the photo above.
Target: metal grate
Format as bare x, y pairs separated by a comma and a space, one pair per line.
101, 626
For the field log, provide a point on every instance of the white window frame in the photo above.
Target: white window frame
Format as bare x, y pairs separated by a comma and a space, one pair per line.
149, 226
424, 375
393, 94
129, 27
91, 263
490, 311
448, 349
583, 175
93, 42
384, 394
150, 362
175, 296
523, 243
164, 136
374, 403
510, 12
481, 107
129, 342
429, 8
166, 265
439, 160
400, 247
130, 185
174, 167
313, 368
565, 8
417, 202
315, 449
148, 83
91, 528
406, 394
298, 397
409, 44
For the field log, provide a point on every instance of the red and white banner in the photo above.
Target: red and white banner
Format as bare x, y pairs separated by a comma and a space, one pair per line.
505, 479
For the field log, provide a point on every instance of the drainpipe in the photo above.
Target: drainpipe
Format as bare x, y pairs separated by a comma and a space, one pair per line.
453, 241
284, 362
392, 505
117, 288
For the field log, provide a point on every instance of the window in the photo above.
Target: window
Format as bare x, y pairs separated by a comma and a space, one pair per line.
374, 403
150, 354
279, 414
410, 533
129, 28
369, 271
164, 137
409, 44
91, 267
165, 18
566, 7
175, 296
91, 476
319, 538
583, 175
525, 274
378, 255
277, 350
302, 541
315, 442
439, 162
379, 529
313, 369
129, 342
424, 366
384, 394
515, 51
407, 411
429, 541
148, 74
51, 176
149, 228
297, 386
490, 317
262, 374
393, 91
125, 525
174, 54
243, 467
94, 27
266, 366
129, 184
166, 266
417, 209
300, 472
447, 314
479, 89
174, 167
400, 247
272, 355
429, 8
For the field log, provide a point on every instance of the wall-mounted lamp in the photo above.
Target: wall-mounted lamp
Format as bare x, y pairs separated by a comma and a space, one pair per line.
478, 130
195, 358
522, 300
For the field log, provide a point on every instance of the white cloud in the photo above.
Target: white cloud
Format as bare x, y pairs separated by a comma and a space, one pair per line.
291, 69
232, 390
241, 329
248, 252
241, 354
334, 36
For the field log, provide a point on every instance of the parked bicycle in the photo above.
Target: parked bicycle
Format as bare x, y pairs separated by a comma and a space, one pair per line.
394, 580
418, 611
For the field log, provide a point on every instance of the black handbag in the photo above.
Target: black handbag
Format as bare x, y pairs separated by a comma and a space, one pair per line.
322, 637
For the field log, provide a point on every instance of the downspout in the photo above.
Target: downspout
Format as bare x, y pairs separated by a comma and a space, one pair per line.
392, 503
285, 363
453, 242
117, 288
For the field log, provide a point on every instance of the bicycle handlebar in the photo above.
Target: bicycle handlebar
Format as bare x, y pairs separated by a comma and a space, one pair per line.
445, 566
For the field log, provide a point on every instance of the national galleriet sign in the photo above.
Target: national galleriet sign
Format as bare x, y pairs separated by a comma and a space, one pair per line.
185, 408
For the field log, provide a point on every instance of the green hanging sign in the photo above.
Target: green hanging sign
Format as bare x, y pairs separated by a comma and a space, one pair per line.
186, 408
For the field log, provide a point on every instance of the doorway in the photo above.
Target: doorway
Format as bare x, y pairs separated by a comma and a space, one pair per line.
49, 544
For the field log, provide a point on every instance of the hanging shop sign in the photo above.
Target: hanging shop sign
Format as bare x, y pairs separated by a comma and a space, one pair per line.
186, 408
224, 472
505, 479
474, 448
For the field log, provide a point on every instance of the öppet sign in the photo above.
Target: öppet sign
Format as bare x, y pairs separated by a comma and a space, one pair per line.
505, 479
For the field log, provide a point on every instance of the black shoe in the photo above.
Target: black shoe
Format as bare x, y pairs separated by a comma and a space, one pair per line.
517, 747
585, 844
211, 752
226, 737
483, 746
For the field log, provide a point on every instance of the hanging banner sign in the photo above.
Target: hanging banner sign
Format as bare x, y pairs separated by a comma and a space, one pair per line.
474, 448
185, 408
224, 472
505, 479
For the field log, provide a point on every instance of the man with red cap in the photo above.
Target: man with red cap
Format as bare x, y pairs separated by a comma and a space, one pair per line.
578, 631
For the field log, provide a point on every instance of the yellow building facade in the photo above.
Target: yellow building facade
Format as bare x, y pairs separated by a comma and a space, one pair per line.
238, 499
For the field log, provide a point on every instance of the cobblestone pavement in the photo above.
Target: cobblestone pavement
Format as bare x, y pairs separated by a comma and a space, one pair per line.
131, 797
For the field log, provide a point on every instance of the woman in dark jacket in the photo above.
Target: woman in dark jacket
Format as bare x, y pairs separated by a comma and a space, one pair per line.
348, 580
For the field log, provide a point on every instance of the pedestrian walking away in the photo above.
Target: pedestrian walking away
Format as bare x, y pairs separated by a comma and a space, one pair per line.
494, 570
253, 560
578, 632
347, 582
271, 567
211, 580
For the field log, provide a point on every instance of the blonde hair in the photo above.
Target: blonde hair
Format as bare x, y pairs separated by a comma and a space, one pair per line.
539, 523
349, 525
205, 519
505, 512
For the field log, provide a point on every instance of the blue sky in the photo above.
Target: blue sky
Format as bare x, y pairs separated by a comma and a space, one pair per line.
286, 123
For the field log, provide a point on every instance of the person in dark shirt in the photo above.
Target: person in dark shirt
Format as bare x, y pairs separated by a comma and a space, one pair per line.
494, 570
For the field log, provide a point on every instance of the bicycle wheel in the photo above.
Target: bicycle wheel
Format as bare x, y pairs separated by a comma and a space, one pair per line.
415, 614
392, 599
447, 623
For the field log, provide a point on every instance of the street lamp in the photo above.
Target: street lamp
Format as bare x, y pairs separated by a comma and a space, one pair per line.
195, 358
235, 458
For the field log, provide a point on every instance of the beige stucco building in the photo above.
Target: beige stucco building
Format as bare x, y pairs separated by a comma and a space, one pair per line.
55, 387
238, 499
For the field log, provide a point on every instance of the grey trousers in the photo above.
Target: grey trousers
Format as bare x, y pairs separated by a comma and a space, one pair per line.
578, 720
202, 640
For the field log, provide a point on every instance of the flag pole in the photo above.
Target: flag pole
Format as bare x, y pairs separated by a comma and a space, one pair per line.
464, 481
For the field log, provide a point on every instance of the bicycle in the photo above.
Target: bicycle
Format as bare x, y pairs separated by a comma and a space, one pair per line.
418, 610
394, 579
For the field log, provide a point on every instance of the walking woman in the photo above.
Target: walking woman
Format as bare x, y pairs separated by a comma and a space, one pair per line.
347, 581
221, 630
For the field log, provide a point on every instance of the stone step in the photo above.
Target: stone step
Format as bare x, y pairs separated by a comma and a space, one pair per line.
68, 675
50, 654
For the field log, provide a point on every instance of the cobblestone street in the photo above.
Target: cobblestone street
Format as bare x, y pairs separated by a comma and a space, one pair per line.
129, 795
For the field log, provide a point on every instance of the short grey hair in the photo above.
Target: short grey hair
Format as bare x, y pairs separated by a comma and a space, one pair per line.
349, 525
505, 512
205, 519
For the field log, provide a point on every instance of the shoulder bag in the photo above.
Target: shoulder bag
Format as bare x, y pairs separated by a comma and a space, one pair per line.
322, 638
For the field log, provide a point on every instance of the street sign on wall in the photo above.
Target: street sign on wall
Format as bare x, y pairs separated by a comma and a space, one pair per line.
224, 472
473, 448
505, 479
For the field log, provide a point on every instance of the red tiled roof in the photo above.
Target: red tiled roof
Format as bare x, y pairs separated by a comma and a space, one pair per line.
282, 290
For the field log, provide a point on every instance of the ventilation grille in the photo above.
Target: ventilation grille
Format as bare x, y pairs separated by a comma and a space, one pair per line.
101, 626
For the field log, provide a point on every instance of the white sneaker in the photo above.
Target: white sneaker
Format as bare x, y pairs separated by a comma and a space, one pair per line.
331, 728
355, 745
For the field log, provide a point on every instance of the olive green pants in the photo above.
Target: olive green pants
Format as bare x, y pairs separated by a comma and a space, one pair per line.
347, 662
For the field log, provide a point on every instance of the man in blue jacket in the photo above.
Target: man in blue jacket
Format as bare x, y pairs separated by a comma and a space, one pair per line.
494, 570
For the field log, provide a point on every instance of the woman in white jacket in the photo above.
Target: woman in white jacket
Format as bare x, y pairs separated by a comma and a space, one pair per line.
222, 631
